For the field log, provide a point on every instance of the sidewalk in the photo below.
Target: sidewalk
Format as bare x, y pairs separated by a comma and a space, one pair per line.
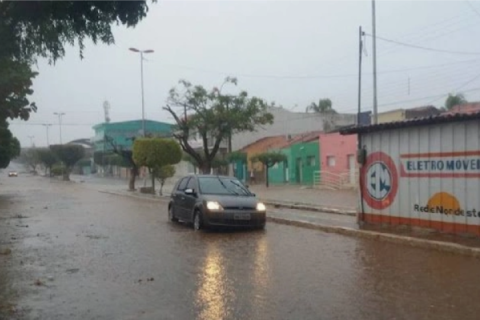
298, 197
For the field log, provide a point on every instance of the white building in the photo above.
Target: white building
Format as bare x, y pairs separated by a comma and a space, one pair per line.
423, 172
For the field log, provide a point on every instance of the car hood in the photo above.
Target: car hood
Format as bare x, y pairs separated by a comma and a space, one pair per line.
233, 201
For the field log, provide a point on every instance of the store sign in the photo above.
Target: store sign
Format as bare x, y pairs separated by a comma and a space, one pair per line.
441, 165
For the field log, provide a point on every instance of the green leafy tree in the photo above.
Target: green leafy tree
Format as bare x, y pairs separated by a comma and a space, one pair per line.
69, 154
323, 106
30, 159
454, 100
215, 116
217, 162
33, 29
9, 145
127, 156
164, 173
155, 153
47, 158
269, 159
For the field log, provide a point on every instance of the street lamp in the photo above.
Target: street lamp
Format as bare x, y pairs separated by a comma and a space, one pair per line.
47, 126
141, 79
60, 114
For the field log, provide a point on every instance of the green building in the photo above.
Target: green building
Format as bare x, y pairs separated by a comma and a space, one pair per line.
303, 159
123, 133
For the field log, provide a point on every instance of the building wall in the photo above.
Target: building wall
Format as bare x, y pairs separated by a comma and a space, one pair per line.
123, 132
290, 123
390, 116
267, 144
340, 148
304, 161
424, 176
279, 173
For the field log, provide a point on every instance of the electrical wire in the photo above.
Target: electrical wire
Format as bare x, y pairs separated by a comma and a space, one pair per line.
423, 48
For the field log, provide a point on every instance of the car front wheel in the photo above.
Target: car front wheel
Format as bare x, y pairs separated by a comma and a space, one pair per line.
171, 215
197, 221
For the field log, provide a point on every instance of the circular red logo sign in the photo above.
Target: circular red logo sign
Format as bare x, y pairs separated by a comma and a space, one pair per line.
380, 180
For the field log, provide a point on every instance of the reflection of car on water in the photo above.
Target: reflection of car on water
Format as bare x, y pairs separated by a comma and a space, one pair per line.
209, 201
13, 174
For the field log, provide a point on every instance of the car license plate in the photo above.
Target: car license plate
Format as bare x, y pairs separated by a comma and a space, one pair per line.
241, 216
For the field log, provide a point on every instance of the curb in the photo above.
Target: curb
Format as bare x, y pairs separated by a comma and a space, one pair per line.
391, 238
311, 208
135, 195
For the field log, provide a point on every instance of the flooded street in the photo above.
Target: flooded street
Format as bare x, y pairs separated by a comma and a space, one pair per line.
80, 254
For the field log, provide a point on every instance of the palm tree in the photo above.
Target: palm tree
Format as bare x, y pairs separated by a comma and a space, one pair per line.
323, 106
454, 99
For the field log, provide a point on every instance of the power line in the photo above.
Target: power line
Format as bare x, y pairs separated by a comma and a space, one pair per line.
473, 8
423, 48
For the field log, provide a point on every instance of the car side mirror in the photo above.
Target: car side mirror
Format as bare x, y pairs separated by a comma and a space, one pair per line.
253, 194
190, 192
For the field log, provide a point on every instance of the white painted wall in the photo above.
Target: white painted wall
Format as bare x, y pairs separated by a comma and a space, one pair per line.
288, 122
422, 158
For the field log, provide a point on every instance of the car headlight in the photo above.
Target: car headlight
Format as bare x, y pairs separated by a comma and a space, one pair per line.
261, 207
214, 205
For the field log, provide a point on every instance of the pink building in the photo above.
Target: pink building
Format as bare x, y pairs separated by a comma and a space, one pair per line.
338, 163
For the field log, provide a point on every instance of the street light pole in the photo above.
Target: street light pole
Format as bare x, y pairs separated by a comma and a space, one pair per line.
141, 82
60, 115
47, 126
374, 42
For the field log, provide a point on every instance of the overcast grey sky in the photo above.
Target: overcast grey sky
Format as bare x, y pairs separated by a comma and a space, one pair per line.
290, 52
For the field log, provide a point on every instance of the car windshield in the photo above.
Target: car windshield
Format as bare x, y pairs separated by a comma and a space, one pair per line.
222, 186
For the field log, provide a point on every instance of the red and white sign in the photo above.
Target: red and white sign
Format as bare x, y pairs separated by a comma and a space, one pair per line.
379, 180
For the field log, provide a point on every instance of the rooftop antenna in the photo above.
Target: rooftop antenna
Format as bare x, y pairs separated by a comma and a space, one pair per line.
106, 109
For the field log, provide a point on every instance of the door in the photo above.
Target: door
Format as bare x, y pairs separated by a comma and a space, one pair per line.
179, 199
190, 199
299, 170
351, 168
285, 167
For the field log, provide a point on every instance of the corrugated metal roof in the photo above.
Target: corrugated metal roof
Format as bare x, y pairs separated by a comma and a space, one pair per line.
441, 118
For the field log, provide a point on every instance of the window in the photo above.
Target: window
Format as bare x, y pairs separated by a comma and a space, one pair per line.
331, 161
222, 186
182, 185
311, 161
191, 184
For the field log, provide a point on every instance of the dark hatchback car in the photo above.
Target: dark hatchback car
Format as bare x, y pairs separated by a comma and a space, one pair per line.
215, 201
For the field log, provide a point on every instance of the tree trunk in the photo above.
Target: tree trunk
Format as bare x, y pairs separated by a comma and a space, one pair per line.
66, 174
206, 168
133, 175
152, 175
266, 176
161, 187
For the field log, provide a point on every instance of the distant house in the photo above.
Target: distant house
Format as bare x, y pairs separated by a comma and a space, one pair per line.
123, 133
303, 160
287, 122
406, 114
470, 107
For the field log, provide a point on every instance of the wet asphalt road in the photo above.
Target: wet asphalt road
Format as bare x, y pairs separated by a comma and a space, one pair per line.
80, 254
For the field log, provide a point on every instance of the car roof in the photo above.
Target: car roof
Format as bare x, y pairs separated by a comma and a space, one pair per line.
209, 176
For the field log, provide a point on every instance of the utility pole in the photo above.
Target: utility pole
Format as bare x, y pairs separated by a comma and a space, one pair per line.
374, 31
60, 115
47, 126
141, 82
360, 35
